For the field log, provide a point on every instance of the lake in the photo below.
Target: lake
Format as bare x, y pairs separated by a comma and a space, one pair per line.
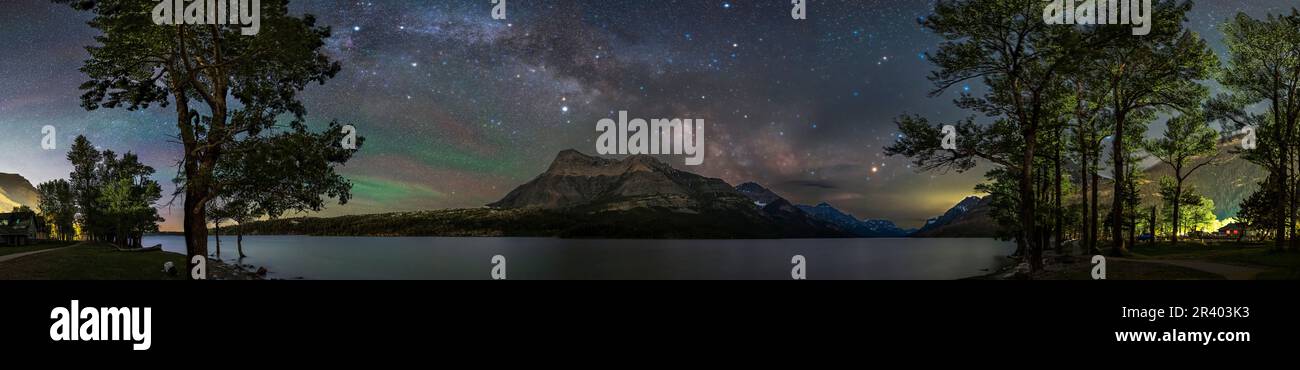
424, 258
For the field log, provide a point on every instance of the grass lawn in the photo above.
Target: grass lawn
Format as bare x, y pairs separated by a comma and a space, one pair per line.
1125, 270
6, 250
1281, 265
1284, 265
92, 262
1193, 249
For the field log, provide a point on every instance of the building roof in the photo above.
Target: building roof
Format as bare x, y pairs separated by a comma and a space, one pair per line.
1233, 226
20, 223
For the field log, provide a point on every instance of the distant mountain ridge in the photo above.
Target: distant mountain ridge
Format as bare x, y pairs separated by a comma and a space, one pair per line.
16, 191
860, 228
790, 216
1228, 183
578, 180
968, 219
640, 196
583, 196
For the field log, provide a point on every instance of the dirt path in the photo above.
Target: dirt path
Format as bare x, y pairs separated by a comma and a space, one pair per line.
1230, 272
10, 257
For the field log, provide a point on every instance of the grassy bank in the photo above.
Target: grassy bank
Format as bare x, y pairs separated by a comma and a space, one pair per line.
5, 251
1124, 270
92, 261
1261, 255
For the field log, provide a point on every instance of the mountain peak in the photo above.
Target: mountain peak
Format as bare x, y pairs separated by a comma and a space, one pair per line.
15, 191
760, 195
969, 218
576, 179
570, 154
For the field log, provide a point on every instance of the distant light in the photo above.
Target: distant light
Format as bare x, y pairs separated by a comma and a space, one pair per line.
564, 109
356, 28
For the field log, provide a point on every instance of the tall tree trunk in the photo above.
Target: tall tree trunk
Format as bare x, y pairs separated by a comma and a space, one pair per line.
1177, 211
1152, 223
1291, 212
196, 228
1060, 219
1096, 203
195, 217
239, 240
217, 236
1132, 230
1280, 212
1028, 202
1117, 206
1085, 238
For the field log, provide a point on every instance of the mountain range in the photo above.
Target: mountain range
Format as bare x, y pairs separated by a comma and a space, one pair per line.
860, 228
592, 197
16, 191
1228, 183
585, 196
968, 219
640, 196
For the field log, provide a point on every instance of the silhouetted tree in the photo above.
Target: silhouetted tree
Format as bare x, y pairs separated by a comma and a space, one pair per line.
1188, 144
1264, 70
1024, 62
58, 205
1146, 74
245, 85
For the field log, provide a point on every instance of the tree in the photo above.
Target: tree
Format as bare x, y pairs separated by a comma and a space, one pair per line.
1257, 211
1264, 70
216, 213
241, 86
85, 183
1088, 101
269, 176
111, 197
1146, 74
59, 207
240, 211
1023, 61
1187, 138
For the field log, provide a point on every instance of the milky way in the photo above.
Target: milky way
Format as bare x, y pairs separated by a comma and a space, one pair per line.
458, 108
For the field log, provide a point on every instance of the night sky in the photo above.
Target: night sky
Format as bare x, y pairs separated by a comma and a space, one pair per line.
458, 108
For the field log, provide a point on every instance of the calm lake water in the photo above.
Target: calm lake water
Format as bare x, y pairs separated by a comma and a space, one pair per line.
365, 258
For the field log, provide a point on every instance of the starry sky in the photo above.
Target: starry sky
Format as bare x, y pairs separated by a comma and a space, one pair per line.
459, 108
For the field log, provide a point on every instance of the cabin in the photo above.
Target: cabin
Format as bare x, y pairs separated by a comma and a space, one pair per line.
21, 228
1234, 230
